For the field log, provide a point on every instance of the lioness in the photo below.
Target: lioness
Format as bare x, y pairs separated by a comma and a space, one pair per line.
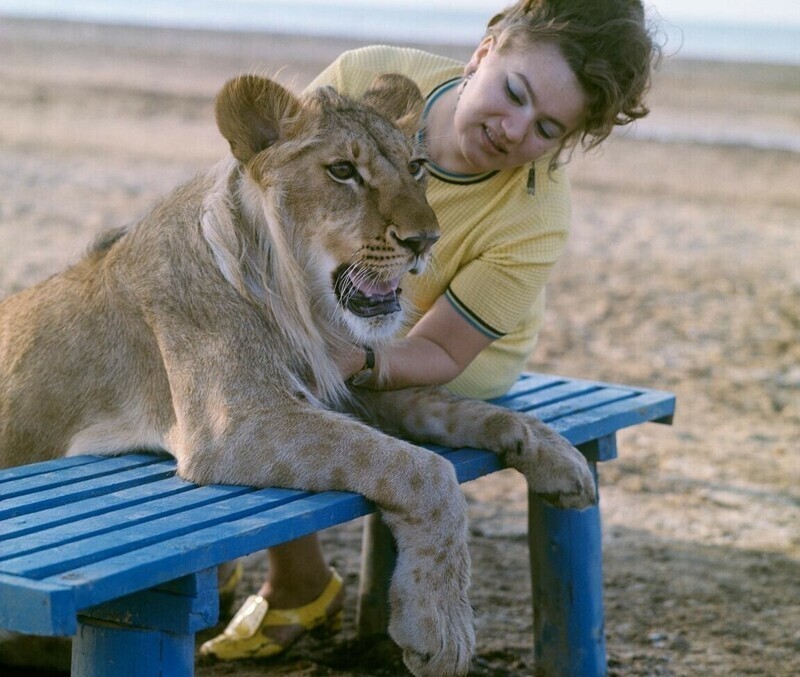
209, 330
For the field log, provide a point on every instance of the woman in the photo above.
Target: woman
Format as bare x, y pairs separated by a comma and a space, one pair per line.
548, 75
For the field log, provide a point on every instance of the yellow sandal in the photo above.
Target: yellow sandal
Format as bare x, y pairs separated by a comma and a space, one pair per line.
258, 631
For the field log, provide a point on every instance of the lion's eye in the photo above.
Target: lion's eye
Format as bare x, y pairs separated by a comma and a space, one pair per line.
343, 171
417, 167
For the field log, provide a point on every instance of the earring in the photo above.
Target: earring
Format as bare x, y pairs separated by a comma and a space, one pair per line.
532, 180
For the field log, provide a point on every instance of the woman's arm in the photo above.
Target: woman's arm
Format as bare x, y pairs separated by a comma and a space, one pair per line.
436, 350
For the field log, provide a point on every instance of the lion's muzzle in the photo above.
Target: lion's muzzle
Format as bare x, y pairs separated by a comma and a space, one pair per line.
417, 244
362, 295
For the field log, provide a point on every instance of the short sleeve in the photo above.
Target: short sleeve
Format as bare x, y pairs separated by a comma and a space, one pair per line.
496, 290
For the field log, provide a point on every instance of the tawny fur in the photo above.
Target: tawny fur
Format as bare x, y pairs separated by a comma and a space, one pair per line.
209, 330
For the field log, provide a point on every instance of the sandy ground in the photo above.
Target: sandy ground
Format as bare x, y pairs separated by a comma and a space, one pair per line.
682, 275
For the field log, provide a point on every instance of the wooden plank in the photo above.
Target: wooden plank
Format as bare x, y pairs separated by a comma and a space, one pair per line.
147, 566
82, 531
524, 397
126, 539
59, 464
582, 426
471, 463
593, 410
37, 607
589, 401
71, 469
535, 400
30, 522
528, 384
49, 490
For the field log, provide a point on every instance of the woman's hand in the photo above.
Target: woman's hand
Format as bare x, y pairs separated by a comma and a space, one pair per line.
437, 349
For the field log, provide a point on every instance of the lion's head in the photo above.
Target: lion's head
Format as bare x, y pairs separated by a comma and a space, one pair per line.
334, 191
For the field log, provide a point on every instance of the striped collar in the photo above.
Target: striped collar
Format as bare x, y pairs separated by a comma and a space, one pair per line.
435, 170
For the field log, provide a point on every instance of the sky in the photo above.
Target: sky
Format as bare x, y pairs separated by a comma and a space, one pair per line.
774, 12
781, 13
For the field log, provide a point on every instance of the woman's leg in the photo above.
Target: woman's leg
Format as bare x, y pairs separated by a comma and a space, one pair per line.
298, 573
302, 594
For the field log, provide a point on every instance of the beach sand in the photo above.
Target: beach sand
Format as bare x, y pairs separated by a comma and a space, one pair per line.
682, 274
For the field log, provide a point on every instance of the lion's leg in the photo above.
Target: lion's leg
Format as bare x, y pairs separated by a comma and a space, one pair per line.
418, 495
553, 467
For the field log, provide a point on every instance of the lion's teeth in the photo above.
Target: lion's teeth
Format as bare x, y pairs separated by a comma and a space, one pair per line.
374, 287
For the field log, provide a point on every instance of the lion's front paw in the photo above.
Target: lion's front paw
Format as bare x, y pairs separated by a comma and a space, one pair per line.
556, 471
431, 618
564, 478
453, 662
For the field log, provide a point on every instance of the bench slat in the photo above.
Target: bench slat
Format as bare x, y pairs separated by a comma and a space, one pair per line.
471, 463
97, 526
584, 410
529, 383
30, 522
657, 407
588, 403
46, 491
96, 465
37, 607
11, 475
534, 400
149, 565
128, 538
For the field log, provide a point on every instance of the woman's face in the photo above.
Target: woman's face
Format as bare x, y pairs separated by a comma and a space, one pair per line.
515, 107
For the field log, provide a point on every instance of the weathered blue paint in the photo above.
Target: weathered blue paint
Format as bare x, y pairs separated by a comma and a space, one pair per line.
99, 539
101, 649
567, 590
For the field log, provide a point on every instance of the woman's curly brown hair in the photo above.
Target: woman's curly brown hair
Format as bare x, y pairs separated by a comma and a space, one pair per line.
607, 44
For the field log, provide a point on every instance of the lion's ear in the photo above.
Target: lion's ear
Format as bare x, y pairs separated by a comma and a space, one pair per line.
398, 98
252, 113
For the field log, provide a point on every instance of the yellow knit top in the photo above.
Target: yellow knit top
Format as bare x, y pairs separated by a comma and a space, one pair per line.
501, 231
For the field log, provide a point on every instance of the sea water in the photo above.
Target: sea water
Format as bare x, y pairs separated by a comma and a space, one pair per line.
398, 22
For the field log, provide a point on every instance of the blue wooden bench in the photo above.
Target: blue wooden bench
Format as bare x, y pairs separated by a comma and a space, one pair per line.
121, 553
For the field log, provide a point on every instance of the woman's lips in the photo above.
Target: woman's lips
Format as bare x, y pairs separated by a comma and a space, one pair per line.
493, 142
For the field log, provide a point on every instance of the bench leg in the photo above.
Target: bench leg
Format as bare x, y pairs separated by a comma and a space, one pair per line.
102, 650
567, 585
378, 557
147, 633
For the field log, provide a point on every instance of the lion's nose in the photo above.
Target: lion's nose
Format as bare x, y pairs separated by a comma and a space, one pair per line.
418, 244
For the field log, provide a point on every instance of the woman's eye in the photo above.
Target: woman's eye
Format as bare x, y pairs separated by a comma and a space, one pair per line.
512, 94
416, 168
343, 171
547, 131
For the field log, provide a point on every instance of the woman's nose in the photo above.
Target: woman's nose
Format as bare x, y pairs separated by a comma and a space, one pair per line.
517, 125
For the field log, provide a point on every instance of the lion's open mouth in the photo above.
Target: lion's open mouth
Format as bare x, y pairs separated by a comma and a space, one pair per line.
365, 296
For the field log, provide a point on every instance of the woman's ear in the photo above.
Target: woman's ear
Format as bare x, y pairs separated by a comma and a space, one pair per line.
486, 45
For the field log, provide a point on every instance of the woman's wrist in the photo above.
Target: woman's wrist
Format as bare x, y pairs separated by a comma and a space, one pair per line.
367, 370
